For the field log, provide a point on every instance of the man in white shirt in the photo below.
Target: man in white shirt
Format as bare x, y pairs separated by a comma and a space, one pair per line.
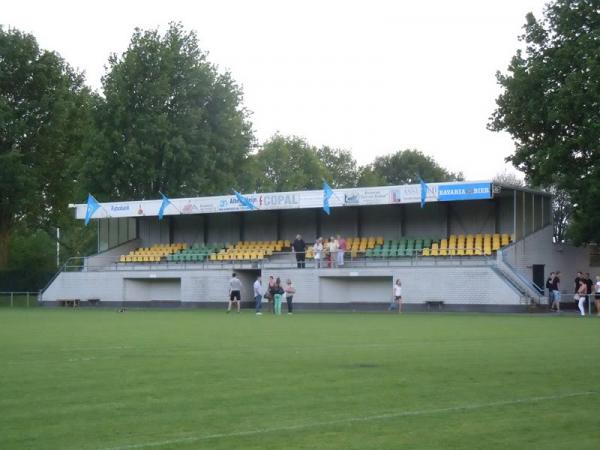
258, 294
398, 295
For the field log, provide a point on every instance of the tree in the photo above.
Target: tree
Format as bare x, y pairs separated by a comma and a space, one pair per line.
509, 179
343, 171
169, 122
44, 108
562, 210
550, 106
405, 167
286, 163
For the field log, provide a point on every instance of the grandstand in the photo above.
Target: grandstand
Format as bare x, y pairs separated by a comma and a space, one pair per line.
473, 246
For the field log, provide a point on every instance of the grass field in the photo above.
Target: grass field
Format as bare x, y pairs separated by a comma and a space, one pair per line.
97, 379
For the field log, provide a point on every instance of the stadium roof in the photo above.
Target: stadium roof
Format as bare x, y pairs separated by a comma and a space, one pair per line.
347, 197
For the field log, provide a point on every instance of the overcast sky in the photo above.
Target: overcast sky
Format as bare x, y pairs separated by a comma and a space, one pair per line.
371, 76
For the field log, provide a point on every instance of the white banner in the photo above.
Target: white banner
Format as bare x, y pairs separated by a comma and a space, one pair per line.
385, 195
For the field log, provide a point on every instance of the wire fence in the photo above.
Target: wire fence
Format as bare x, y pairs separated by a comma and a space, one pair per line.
19, 299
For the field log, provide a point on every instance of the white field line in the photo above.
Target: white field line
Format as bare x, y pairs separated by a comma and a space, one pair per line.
319, 424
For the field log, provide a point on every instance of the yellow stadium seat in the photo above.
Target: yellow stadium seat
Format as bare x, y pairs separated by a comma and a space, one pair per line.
452, 244
435, 249
444, 247
426, 252
469, 244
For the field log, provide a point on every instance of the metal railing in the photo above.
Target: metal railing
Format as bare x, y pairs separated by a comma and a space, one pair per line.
278, 259
19, 299
527, 286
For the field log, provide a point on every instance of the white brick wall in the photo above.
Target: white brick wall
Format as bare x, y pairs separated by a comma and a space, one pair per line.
538, 248
453, 285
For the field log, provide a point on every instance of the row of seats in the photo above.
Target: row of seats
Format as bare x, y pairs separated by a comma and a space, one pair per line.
195, 253
152, 254
371, 247
250, 250
468, 245
354, 245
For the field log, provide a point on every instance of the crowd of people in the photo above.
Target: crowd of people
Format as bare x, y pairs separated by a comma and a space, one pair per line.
584, 288
274, 293
326, 254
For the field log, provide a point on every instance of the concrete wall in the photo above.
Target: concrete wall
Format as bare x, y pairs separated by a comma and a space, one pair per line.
189, 229
383, 221
472, 217
152, 231
430, 221
260, 226
453, 285
299, 221
111, 256
538, 248
342, 221
224, 227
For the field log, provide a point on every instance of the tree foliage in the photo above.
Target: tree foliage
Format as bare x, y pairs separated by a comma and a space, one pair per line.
405, 167
43, 120
169, 121
286, 163
550, 105
342, 169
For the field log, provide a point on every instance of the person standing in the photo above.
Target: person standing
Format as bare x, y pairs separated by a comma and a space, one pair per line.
597, 295
577, 280
589, 284
580, 296
398, 295
341, 250
556, 291
277, 295
258, 293
235, 292
299, 249
290, 290
549, 287
333, 249
271, 292
318, 250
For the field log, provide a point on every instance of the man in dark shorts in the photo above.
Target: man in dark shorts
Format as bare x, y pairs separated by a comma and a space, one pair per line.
235, 292
550, 291
556, 291
590, 287
299, 248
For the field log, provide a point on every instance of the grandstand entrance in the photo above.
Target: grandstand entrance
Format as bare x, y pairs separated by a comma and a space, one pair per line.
355, 289
152, 290
248, 277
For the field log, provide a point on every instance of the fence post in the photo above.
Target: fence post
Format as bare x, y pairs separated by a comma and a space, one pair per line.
28, 299
12, 294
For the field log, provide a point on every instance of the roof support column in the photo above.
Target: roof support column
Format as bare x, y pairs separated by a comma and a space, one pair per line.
205, 223
278, 224
402, 220
448, 218
242, 225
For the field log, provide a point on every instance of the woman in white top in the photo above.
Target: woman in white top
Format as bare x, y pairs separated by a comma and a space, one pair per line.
290, 290
318, 249
398, 295
580, 296
333, 249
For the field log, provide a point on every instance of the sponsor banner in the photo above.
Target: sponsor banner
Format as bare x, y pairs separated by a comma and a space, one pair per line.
383, 195
464, 191
412, 194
